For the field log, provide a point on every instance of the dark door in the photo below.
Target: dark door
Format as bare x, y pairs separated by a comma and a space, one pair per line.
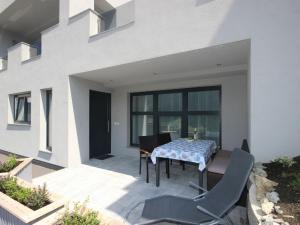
99, 124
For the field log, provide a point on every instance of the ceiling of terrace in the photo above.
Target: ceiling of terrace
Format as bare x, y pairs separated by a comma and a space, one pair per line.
27, 18
215, 61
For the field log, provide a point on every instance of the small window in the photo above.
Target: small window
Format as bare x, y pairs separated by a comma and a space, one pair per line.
22, 108
49, 120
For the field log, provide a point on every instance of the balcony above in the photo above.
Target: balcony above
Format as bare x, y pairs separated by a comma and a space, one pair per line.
3, 64
28, 18
5, 4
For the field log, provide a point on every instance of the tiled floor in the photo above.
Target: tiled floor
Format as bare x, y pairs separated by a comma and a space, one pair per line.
114, 186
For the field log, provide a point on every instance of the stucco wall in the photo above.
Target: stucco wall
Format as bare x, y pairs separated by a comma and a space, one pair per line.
78, 113
270, 25
234, 109
163, 27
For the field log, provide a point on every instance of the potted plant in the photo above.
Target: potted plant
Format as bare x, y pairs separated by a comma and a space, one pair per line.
22, 203
17, 167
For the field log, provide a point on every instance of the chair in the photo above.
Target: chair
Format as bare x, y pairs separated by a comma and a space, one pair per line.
210, 207
217, 167
147, 145
164, 138
245, 146
219, 164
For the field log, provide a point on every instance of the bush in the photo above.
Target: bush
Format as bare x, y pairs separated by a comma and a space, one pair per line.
38, 198
296, 182
32, 198
10, 187
80, 216
285, 161
9, 165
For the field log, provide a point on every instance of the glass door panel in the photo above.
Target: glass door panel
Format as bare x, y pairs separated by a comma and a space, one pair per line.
207, 126
142, 125
170, 124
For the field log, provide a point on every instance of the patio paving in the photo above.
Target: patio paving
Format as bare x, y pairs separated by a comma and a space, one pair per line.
114, 186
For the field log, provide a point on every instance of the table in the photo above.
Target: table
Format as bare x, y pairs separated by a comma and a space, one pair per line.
195, 151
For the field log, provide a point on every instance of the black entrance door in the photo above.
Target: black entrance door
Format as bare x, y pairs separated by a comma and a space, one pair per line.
100, 136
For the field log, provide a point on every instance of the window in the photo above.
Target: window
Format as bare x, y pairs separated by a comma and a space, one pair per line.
179, 112
49, 119
22, 108
141, 116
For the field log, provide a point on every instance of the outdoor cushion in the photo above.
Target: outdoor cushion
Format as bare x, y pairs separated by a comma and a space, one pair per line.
220, 162
182, 209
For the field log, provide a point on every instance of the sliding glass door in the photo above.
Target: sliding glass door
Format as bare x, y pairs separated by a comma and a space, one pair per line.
180, 112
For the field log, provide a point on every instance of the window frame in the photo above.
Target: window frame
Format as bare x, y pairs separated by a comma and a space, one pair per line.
184, 113
26, 108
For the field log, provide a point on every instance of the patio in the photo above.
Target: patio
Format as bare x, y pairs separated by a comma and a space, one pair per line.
113, 186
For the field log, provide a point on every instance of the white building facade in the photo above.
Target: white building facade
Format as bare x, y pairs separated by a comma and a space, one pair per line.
57, 53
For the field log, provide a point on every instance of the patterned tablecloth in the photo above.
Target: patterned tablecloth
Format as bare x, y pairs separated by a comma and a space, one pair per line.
198, 151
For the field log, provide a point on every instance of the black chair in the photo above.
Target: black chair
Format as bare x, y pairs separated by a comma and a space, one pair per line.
245, 146
210, 207
147, 145
164, 138
217, 168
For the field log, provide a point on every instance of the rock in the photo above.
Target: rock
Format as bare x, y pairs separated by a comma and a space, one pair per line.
273, 196
268, 217
263, 185
269, 220
288, 216
267, 207
278, 210
260, 195
280, 221
260, 172
269, 223
285, 223
263, 200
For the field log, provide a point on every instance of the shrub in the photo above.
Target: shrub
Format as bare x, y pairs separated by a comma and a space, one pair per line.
296, 182
9, 164
80, 216
38, 198
32, 198
10, 187
285, 161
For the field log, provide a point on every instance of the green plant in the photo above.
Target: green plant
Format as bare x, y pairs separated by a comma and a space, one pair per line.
10, 187
80, 216
285, 161
32, 198
9, 164
296, 182
38, 198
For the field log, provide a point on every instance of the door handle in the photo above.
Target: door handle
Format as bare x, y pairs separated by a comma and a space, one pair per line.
108, 126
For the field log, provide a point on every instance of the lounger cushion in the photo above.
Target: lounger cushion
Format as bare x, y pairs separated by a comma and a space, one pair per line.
220, 163
178, 208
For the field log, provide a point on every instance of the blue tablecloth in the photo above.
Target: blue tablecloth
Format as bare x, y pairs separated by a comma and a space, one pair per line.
196, 151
